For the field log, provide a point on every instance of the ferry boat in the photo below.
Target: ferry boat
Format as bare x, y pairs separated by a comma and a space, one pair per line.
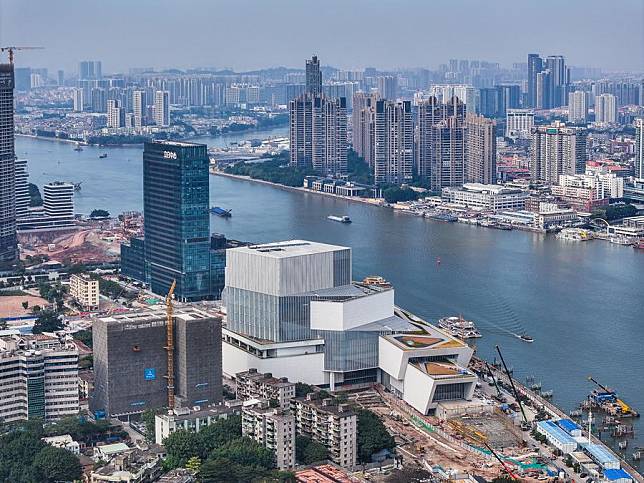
102, 156
524, 338
376, 280
459, 327
216, 210
575, 234
340, 219
639, 245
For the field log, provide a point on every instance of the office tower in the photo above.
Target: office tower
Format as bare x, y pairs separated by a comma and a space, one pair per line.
318, 134
131, 365
557, 150
8, 240
490, 102
115, 114
22, 76
139, 105
577, 107
559, 80
271, 427
480, 159
162, 108
519, 123
535, 65
313, 76
90, 69
177, 223
363, 125
61, 77
543, 89
22, 188
77, 98
39, 376
394, 142
388, 87
509, 98
605, 109
639, 148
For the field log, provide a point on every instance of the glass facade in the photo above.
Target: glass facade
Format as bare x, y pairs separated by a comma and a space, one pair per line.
133, 259
177, 223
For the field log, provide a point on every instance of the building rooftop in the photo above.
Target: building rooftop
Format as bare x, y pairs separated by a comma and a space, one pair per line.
149, 315
180, 144
322, 474
326, 405
556, 432
290, 248
612, 475
114, 448
600, 454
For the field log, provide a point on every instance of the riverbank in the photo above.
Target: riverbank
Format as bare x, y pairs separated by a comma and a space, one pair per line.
354, 199
49, 138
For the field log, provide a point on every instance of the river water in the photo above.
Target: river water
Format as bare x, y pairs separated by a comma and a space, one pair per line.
582, 302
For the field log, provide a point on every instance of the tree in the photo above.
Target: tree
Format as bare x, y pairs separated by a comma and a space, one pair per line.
302, 389
25, 304
57, 464
308, 451
219, 433
85, 336
245, 451
372, 436
47, 321
395, 194
194, 464
181, 446
148, 418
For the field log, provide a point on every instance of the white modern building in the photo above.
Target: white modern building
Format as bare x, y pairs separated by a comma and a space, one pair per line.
56, 213
40, 378
467, 94
486, 196
293, 311
577, 107
162, 108
605, 109
271, 427
64, 441
115, 114
519, 123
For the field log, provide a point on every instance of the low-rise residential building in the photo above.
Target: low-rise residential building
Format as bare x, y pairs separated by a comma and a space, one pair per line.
191, 419
333, 425
39, 375
131, 466
84, 290
486, 196
587, 191
64, 441
254, 385
273, 428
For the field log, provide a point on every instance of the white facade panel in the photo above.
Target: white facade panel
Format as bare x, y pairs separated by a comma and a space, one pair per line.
349, 314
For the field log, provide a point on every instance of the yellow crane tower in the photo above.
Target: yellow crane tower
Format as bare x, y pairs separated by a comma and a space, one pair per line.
170, 343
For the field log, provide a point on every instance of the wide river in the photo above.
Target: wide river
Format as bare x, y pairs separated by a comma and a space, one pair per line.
582, 302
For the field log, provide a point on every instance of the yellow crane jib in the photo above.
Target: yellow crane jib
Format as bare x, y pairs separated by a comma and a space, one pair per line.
170, 343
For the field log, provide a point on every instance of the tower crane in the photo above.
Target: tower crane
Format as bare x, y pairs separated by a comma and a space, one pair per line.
170, 343
11, 50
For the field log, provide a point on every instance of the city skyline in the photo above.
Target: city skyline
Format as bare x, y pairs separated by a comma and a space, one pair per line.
243, 35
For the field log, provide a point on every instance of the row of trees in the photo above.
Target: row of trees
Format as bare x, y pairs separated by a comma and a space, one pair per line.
274, 170
615, 212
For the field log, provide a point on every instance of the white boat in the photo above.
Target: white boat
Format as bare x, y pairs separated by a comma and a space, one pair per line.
459, 327
340, 219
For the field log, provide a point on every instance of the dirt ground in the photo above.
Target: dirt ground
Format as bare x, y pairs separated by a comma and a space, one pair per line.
11, 306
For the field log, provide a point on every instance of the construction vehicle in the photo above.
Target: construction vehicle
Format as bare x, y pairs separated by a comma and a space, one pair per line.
170, 343
11, 50
499, 396
624, 409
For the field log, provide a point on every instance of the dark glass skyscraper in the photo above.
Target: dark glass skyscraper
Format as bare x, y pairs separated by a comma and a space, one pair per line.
8, 241
177, 223
535, 65
313, 76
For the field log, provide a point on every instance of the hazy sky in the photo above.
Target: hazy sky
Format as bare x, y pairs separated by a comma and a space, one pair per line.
248, 34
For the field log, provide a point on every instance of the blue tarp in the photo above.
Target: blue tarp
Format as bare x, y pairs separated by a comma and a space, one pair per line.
620, 474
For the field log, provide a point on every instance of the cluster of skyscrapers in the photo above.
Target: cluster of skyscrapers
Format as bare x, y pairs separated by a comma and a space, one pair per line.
548, 81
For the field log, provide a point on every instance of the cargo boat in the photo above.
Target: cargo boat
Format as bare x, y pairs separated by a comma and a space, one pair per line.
340, 219
442, 217
216, 210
